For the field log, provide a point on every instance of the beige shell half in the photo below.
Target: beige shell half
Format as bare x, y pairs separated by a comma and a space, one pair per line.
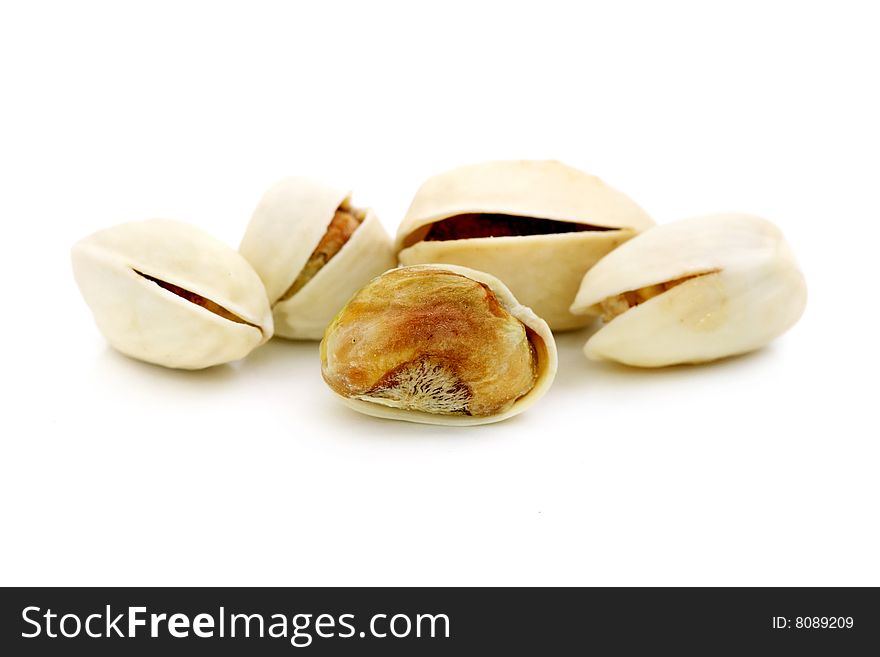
151, 323
543, 271
289, 221
746, 290
545, 351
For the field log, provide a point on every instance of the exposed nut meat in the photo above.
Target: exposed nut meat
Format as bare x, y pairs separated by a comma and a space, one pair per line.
467, 226
197, 299
432, 341
619, 304
345, 221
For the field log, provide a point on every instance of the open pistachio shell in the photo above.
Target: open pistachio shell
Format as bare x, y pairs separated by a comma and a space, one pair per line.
693, 290
168, 293
540, 226
309, 266
438, 344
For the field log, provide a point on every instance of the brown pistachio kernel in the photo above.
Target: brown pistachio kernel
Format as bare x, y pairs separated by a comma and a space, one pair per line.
620, 303
429, 340
478, 225
345, 221
197, 299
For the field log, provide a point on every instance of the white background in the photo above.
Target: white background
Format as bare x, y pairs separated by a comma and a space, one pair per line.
758, 470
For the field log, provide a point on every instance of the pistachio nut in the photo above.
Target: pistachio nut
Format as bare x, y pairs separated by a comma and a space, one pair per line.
313, 249
438, 344
536, 225
692, 291
168, 293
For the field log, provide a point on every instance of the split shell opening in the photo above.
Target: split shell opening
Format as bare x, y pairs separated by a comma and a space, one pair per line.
438, 344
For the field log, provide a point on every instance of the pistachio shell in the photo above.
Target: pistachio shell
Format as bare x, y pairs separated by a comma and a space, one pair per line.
735, 287
414, 319
121, 272
286, 227
542, 270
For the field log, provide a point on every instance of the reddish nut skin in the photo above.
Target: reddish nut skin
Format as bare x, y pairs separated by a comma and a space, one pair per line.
345, 221
429, 340
620, 303
478, 225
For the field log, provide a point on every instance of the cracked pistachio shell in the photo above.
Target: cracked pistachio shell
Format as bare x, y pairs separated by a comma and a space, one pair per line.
168, 293
743, 288
286, 227
543, 271
438, 344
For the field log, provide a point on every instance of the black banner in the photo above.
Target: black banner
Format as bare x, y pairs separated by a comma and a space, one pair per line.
446, 621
